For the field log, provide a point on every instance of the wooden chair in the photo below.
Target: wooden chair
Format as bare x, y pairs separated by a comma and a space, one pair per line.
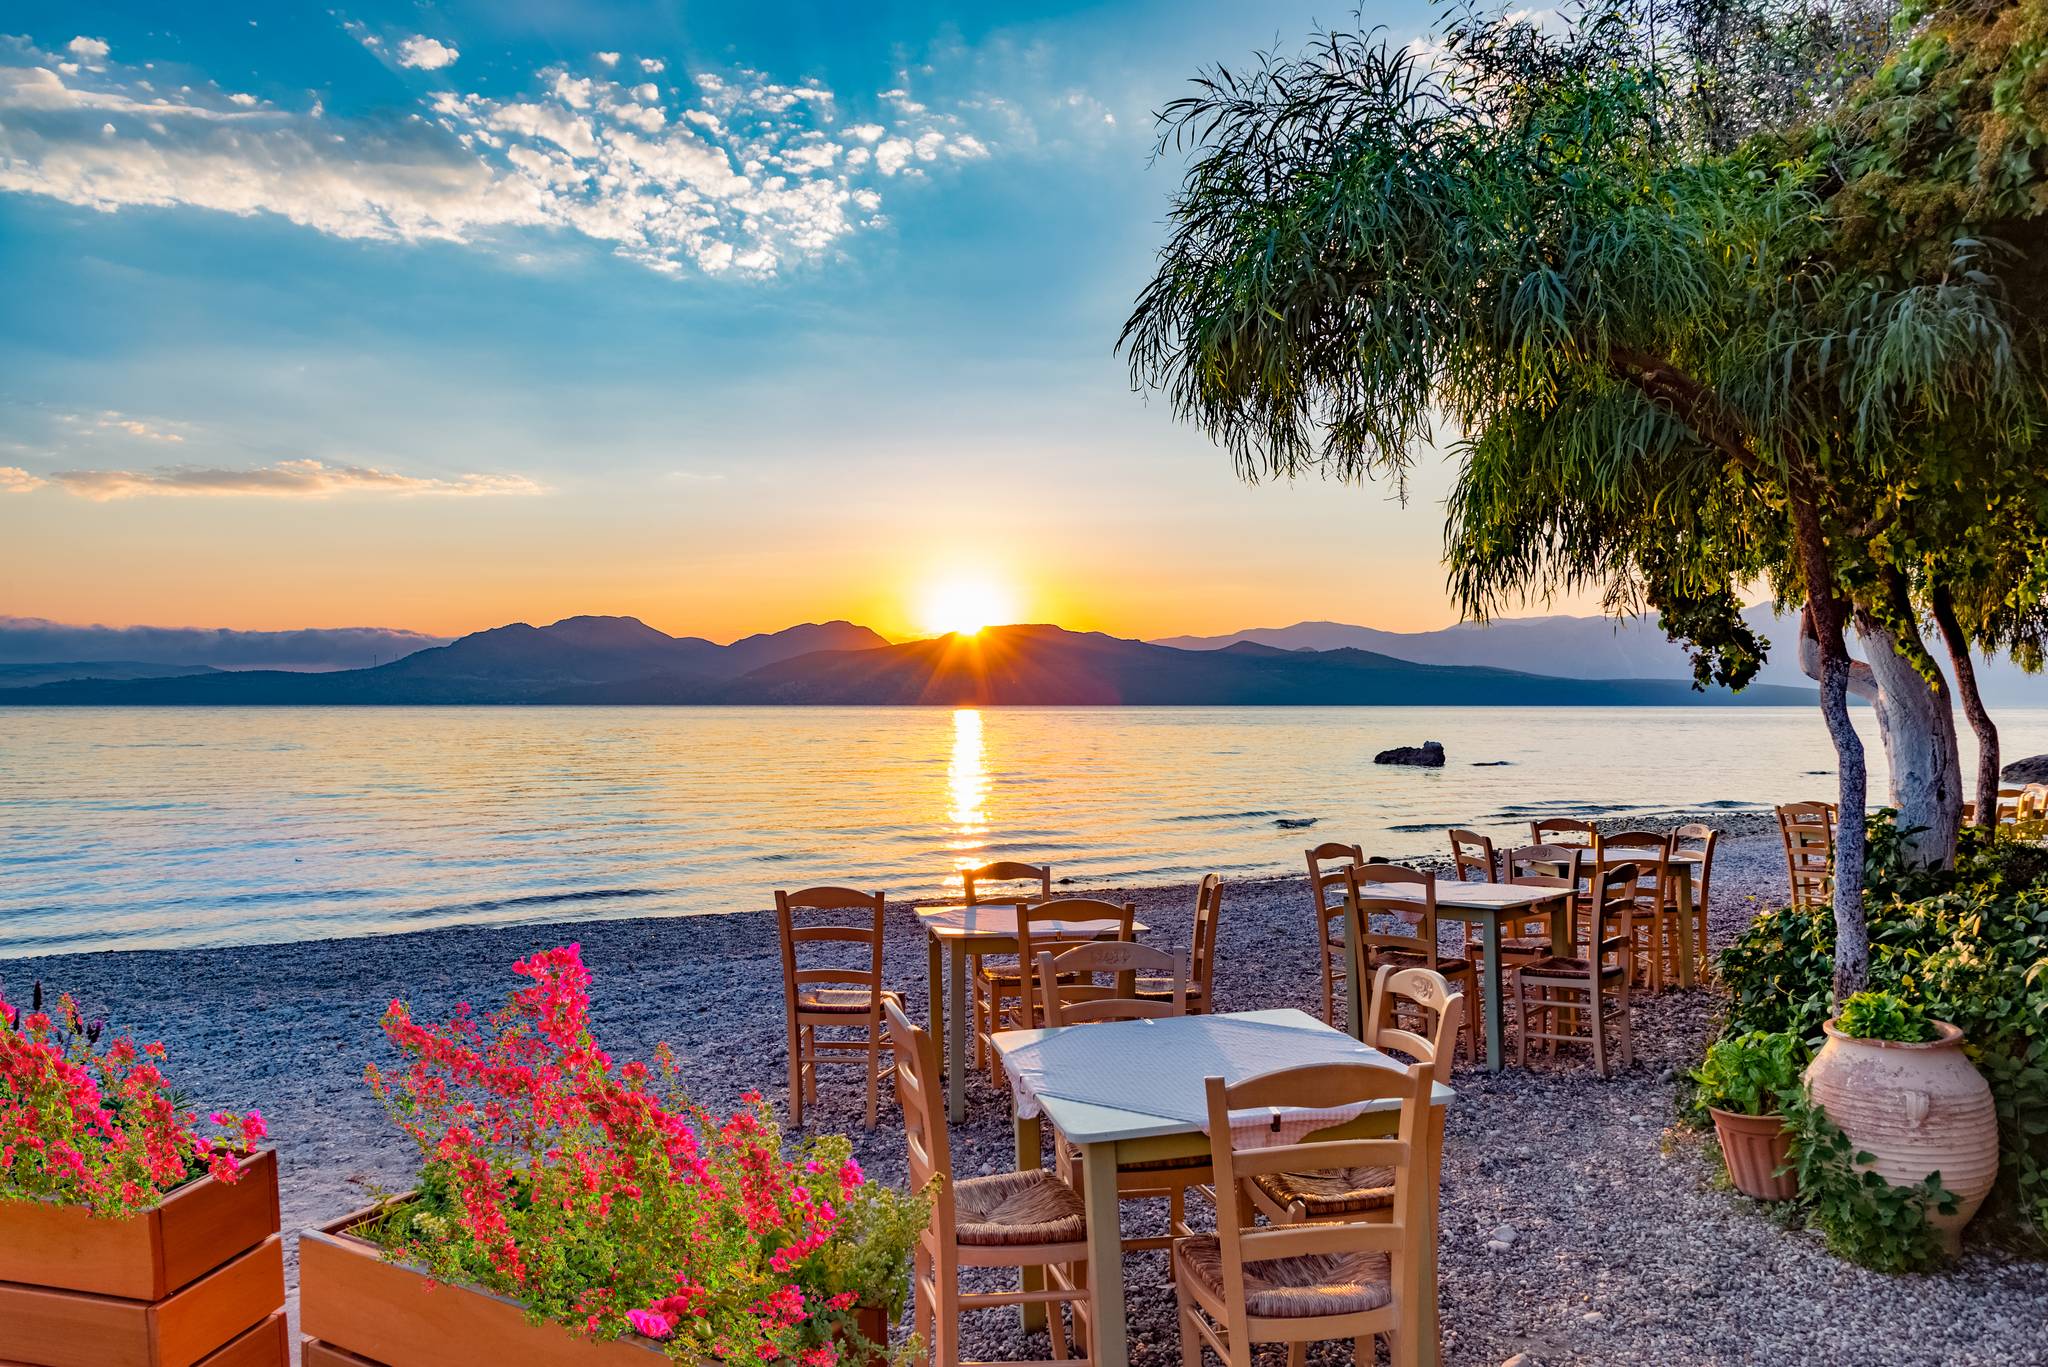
1307, 1283
1066, 984
1655, 924
975, 890
1808, 830
1472, 853
1562, 989
832, 997
1201, 951
2031, 804
1562, 830
1706, 838
1321, 882
1292, 1198
1001, 985
1564, 867
2008, 805
1023, 1219
1413, 944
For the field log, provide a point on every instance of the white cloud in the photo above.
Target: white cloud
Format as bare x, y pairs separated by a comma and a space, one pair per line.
608, 58
284, 479
15, 480
134, 427
426, 54
246, 101
653, 66
91, 51
734, 173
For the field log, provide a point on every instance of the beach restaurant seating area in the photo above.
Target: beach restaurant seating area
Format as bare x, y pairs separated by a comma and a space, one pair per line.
1298, 1152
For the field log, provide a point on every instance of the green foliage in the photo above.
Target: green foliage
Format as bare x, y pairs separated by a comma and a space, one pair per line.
1968, 945
1751, 1074
1865, 1218
1879, 1015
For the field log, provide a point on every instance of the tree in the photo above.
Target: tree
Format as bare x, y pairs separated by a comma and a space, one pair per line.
1674, 361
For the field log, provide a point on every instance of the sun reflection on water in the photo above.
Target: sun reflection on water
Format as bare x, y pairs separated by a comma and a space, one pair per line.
967, 790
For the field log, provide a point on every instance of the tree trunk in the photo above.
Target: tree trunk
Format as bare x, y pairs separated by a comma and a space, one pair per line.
1918, 725
1823, 623
1973, 704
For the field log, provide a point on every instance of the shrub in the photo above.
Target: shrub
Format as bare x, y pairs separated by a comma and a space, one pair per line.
1751, 1074
603, 1199
97, 1126
1968, 945
1882, 1016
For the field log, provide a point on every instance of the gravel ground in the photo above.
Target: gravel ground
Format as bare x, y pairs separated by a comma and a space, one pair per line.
1622, 1250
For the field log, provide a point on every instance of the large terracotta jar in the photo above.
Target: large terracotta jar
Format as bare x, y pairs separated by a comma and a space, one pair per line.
1916, 1109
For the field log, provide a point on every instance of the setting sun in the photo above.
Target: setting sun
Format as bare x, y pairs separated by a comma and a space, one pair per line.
966, 606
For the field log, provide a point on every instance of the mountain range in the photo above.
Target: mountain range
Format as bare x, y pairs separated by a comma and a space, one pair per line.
1585, 648
621, 660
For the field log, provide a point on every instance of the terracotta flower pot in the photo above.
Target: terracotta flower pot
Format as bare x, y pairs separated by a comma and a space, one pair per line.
1916, 1109
1755, 1147
357, 1310
195, 1281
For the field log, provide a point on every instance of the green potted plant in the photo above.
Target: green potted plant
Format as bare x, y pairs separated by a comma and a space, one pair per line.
1743, 1082
1912, 1106
574, 1210
130, 1229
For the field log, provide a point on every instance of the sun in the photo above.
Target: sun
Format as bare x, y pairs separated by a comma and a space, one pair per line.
965, 606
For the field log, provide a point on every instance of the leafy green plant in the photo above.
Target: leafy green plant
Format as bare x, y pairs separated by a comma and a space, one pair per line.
1865, 1218
1969, 944
1751, 1074
1879, 1015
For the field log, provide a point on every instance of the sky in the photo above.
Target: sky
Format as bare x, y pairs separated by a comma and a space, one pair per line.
444, 315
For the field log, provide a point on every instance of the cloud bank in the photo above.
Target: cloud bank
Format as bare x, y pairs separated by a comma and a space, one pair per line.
284, 479
35, 640
721, 172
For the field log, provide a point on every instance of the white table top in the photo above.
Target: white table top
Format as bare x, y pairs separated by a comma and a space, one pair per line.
1120, 1080
998, 920
1469, 896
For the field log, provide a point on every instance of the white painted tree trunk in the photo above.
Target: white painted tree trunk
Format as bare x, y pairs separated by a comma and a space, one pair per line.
1918, 727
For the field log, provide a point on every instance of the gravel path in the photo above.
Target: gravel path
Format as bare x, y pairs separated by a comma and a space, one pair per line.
1621, 1252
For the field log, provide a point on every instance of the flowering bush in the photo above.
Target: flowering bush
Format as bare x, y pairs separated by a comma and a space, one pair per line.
99, 1127
603, 1199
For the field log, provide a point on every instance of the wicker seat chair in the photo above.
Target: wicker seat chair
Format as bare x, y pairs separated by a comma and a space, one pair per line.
1562, 989
1411, 941
1656, 922
1201, 976
999, 881
1326, 865
844, 998
1808, 831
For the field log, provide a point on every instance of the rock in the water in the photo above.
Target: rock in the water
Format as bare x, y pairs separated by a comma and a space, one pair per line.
1429, 755
2034, 769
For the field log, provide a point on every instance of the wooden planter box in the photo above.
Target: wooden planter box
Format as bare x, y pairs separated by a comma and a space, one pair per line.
196, 1280
358, 1310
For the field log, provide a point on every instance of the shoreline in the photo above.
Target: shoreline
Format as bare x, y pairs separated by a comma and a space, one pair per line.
1583, 1170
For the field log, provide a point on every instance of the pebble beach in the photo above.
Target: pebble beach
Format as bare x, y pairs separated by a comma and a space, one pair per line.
1579, 1225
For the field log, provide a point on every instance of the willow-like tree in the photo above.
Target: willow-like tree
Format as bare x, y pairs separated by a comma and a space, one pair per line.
1697, 314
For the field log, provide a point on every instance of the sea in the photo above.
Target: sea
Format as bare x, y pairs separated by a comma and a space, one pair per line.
131, 828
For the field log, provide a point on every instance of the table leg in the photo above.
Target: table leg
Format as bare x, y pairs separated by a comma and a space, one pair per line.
1685, 966
956, 1037
1029, 1157
935, 973
1496, 1013
1430, 1348
1108, 1334
1355, 988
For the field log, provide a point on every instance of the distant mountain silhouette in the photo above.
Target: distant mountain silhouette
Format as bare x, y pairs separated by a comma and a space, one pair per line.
1581, 648
509, 664
30, 675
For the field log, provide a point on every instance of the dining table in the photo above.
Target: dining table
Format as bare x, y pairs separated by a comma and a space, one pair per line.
1681, 866
1134, 1091
1487, 906
954, 935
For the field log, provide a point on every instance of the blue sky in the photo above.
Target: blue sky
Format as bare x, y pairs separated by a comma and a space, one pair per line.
441, 315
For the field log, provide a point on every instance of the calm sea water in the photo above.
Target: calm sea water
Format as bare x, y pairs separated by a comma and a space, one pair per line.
152, 828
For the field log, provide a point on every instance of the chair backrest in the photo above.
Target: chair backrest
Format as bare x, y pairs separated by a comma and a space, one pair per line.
919, 1091
1035, 936
1417, 914
1472, 853
1649, 851
1562, 830
1081, 999
1695, 833
2009, 804
1614, 909
1202, 945
1531, 865
2032, 803
795, 937
1441, 1011
1401, 1234
974, 882
1326, 865
1808, 831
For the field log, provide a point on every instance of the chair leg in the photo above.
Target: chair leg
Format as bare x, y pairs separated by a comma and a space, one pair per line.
1599, 1025
1522, 1025
1297, 1355
874, 1069
1190, 1337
